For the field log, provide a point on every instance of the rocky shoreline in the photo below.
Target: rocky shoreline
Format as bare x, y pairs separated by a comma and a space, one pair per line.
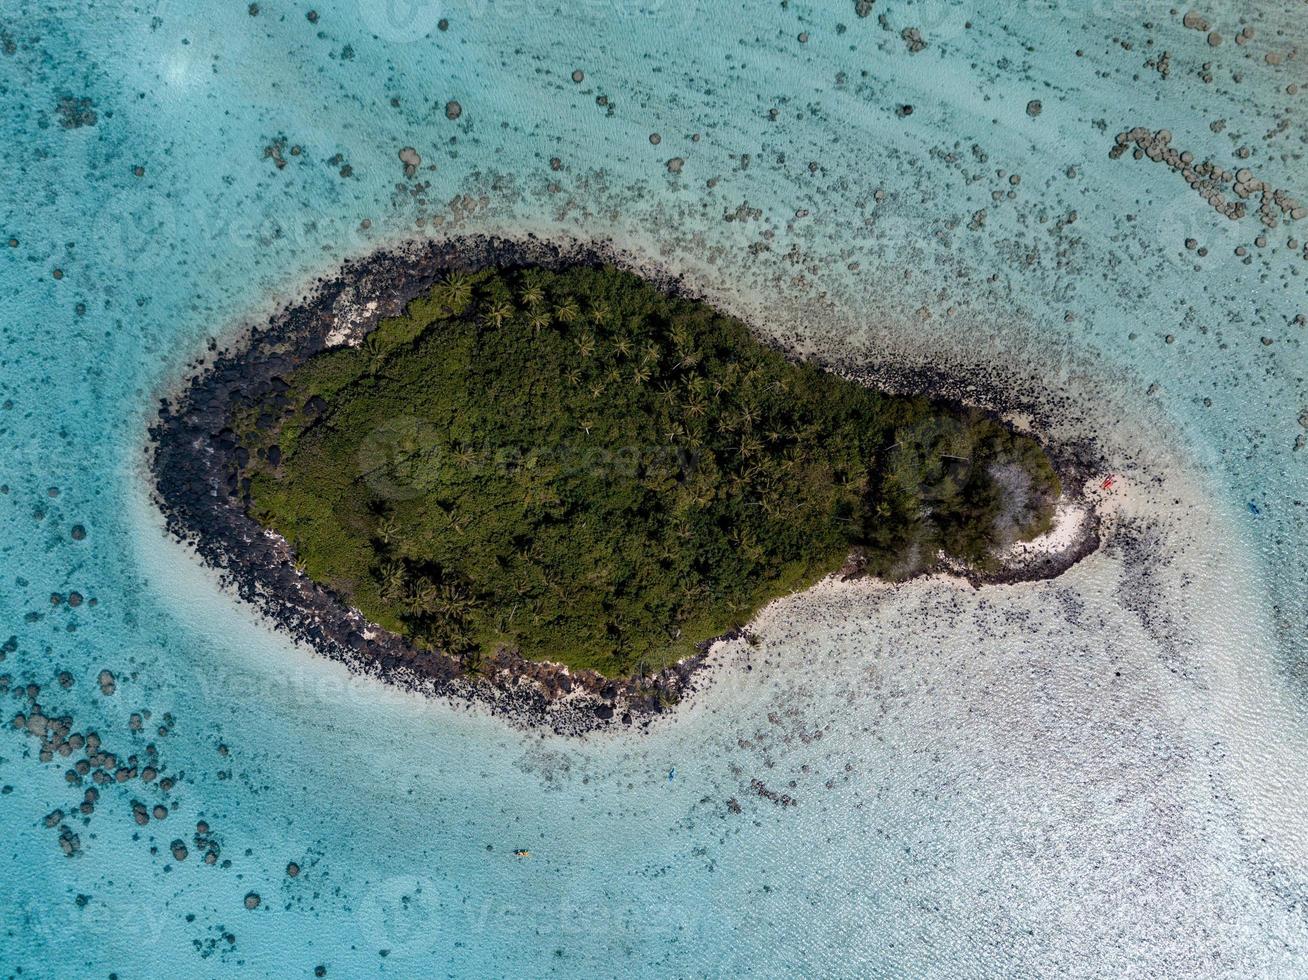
196, 463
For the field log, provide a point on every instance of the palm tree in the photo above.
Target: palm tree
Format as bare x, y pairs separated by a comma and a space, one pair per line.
456, 291
681, 339
533, 294
388, 531
465, 456
601, 313
455, 602
567, 311
622, 346
770, 503
499, 312
538, 320
585, 345
394, 581
728, 380
421, 599
375, 352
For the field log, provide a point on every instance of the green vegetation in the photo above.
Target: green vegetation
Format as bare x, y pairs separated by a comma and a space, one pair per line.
578, 466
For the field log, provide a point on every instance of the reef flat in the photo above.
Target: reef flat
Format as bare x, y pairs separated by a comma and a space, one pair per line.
518, 472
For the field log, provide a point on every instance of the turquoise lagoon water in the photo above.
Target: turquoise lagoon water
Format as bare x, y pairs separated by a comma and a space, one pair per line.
1100, 775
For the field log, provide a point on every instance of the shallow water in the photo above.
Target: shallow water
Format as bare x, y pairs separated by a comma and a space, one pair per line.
1097, 775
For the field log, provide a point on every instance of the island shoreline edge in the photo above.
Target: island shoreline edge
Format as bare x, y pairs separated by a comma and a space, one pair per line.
187, 460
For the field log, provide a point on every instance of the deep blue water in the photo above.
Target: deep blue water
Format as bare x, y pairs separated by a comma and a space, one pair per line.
1099, 775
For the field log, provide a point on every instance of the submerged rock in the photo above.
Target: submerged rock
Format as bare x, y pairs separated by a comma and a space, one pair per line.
76, 112
411, 160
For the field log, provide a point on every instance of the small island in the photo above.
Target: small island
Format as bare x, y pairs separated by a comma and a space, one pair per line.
540, 472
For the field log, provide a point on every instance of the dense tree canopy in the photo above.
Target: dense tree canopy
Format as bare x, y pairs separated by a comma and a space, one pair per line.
579, 466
